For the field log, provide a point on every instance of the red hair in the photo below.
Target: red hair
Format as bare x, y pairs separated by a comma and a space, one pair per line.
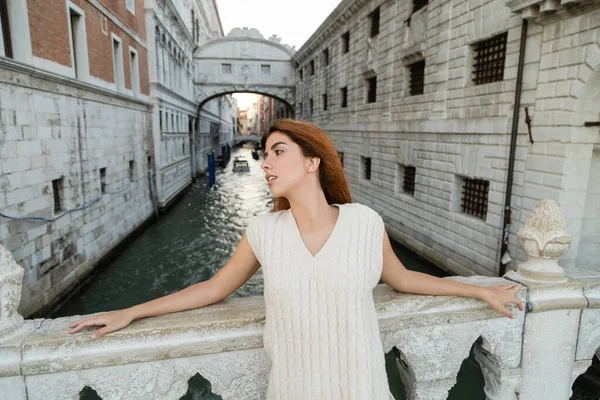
314, 142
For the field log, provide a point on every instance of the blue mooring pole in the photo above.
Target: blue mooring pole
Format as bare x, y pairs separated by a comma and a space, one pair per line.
211, 168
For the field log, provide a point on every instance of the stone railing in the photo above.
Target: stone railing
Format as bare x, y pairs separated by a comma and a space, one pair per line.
535, 356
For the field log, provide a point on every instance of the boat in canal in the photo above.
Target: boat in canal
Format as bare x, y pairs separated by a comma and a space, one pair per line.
240, 165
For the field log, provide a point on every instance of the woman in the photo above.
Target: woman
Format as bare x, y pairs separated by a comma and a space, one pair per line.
321, 256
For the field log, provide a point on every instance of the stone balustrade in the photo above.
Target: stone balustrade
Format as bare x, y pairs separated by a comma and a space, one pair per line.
537, 355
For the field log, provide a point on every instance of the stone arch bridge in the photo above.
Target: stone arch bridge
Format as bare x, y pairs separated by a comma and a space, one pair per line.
244, 61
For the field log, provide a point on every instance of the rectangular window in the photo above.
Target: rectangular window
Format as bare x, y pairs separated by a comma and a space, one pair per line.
372, 90
57, 190
135, 72
265, 69
341, 157
417, 78
160, 113
118, 64
226, 68
78, 42
488, 60
131, 170
474, 199
325, 102
300, 108
131, 6
6, 43
374, 22
311, 67
326, 57
408, 184
366, 167
418, 4
300, 71
103, 180
311, 106
344, 97
346, 42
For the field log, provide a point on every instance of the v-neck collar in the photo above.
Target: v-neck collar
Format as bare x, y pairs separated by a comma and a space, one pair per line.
294, 226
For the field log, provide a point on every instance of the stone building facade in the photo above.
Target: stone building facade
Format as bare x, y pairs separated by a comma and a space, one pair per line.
418, 97
75, 133
183, 136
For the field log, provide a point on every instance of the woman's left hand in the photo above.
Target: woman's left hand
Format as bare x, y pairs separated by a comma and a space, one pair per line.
498, 296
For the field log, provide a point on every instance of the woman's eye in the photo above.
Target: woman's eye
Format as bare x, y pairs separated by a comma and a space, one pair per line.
278, 151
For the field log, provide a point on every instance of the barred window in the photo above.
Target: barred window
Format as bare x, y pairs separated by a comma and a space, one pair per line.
366, 165
372, 90
265, 69
103, 180
57, 189
300, 71
418, 4
326, 57
374, 19
341, 157
325, 102
344, 95
474, 200
346, 42
312, 67
226, 68
489, 58
311, 106
300, 107
417, 78
409, 180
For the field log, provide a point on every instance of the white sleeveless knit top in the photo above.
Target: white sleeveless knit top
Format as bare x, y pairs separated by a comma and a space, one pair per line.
321, 331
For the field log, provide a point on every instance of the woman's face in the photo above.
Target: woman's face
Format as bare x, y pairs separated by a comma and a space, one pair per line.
285, 166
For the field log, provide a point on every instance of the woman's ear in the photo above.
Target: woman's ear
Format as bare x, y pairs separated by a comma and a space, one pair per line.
313, 164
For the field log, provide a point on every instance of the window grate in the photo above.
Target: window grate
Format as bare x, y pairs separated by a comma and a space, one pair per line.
103, 180
417, 78
374, 17
344, 93
474, 199
57, 188
311, 106
489, 59
367, 168
131, 170
346, 42
325, 102
226, 68
409, 180
341, 157
372, 90
418, 4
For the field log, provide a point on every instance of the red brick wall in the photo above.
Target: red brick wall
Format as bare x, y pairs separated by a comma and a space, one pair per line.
50, 37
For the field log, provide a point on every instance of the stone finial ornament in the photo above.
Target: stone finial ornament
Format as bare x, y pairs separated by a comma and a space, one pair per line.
11, 280
544, 238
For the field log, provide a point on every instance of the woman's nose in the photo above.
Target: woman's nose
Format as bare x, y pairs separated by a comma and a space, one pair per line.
265, 166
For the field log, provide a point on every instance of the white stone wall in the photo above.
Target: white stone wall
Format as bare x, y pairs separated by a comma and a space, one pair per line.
171, 26
457, 129
55, 127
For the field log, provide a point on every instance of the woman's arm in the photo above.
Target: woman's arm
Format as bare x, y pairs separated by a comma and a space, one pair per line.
240, 267
398, 277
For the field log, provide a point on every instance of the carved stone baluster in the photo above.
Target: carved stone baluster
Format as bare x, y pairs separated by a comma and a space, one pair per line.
500, 383
11, 280
551, 326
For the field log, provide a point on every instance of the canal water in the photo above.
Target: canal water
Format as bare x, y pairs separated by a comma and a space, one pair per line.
193, 241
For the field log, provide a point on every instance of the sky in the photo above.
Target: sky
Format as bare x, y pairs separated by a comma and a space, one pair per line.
293, 21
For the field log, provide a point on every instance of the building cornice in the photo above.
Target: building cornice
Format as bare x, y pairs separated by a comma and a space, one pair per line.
338, 18
51, 79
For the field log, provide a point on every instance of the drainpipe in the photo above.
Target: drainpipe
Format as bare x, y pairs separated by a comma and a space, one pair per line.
513, 146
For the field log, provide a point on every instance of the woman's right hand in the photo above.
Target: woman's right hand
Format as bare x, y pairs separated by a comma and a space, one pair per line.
112, 321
